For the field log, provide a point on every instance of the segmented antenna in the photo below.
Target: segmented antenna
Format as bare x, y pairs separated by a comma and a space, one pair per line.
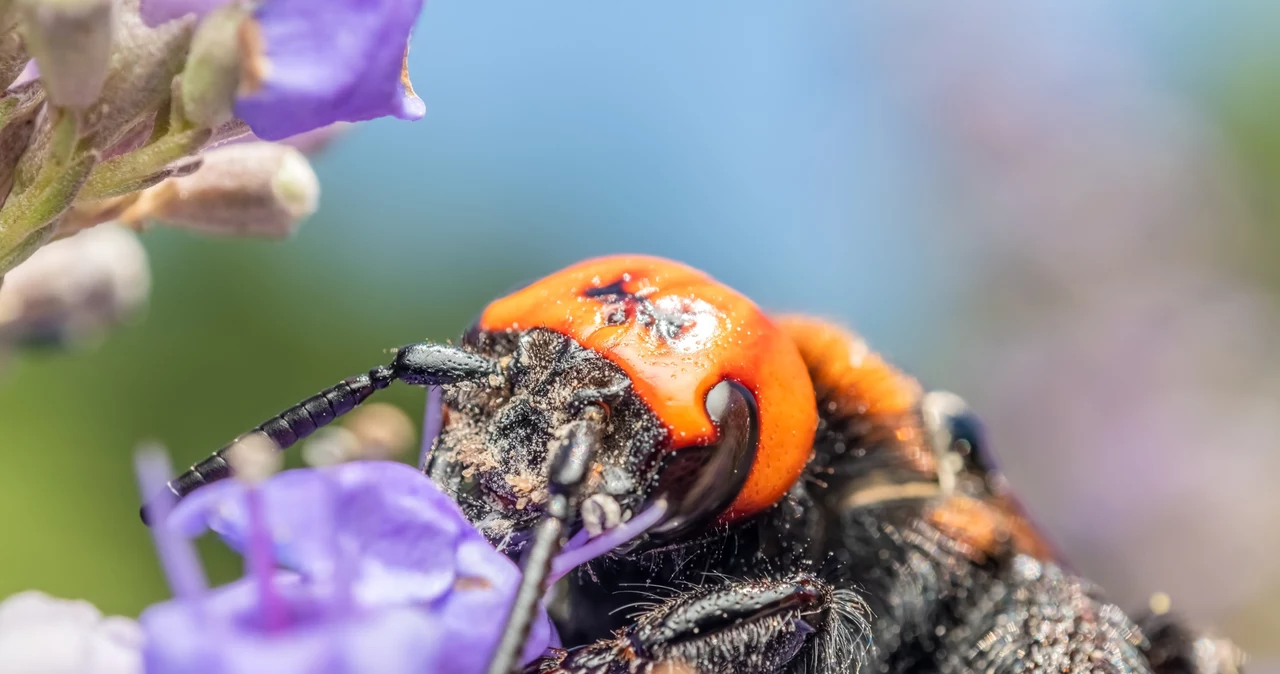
423, 364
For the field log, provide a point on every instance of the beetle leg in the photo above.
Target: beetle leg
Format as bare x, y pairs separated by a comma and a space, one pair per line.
798, 624
569, 464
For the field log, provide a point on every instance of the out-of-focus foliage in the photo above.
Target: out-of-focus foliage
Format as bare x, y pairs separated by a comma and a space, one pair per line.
788, 150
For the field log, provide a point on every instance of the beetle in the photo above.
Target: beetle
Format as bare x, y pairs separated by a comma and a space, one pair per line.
816, 509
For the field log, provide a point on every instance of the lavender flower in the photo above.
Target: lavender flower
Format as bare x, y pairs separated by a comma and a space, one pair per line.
130, 94
304, 65
40, 634
385, 575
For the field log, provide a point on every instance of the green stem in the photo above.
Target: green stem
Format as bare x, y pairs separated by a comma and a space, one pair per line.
126, 173
27, 219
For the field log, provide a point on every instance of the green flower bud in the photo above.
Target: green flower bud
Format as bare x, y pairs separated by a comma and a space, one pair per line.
212, 75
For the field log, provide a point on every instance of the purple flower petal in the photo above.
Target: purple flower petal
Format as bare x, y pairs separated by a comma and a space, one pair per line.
392, 579
324, 62
474, 613
156, 12
389, 517
226, 635
30, 72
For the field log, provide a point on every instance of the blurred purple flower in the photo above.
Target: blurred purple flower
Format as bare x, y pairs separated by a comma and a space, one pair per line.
385, 572
40, 634
309, 64
226, 632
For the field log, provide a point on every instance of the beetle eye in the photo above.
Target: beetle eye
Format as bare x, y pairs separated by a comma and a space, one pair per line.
699, 483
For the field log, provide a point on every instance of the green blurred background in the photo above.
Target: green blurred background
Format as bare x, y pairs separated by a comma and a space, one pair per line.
1067, 215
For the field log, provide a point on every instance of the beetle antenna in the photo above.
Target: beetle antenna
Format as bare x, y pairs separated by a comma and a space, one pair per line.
423, 364
569, 464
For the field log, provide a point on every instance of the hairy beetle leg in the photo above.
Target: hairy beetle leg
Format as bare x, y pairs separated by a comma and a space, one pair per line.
742, 626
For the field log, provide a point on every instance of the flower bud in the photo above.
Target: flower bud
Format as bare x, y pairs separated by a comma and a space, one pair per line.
254, 458
246, 189
330, 446
71, 43
212, 74
382, 431
75, 288
143, 63
372, 432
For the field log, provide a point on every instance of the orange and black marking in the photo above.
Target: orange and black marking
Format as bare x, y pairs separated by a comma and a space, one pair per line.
677, 333
852, 382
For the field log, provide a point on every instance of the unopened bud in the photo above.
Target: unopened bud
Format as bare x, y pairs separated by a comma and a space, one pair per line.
245, 189
71, 43
254, 458
382, 431
330, 447
212, 74
143, 63
75, 288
